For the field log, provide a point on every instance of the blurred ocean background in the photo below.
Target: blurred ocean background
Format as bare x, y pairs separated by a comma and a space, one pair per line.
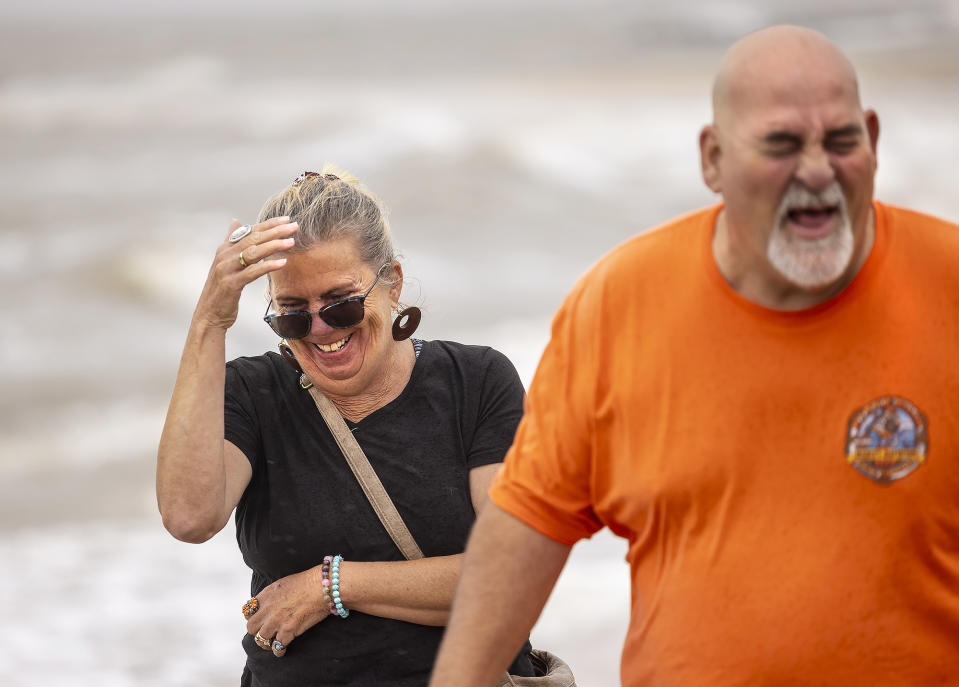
514, 142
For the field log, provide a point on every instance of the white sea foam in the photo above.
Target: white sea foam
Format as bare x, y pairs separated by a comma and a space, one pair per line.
106, 603
87, 435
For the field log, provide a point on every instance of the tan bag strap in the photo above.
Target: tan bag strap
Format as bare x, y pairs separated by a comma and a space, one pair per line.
372, 487
366, 476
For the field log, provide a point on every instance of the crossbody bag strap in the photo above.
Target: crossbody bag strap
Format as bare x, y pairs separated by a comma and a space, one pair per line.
366, 476
372, 487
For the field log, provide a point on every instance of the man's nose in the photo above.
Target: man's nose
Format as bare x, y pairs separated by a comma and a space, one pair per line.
815, 169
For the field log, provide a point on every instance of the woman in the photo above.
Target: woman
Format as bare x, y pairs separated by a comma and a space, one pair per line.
433, 417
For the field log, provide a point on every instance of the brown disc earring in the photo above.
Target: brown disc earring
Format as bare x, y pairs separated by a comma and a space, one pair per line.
288, 356
406, 322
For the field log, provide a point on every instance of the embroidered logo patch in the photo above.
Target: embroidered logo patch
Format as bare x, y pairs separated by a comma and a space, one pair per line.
887, 439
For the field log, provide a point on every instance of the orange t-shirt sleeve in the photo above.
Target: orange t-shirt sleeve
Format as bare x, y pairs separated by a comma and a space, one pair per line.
547, 475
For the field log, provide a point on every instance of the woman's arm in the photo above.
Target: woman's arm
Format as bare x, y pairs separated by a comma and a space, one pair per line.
419, 591
200, 476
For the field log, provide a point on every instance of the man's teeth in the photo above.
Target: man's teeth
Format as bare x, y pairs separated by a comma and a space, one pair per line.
337, 345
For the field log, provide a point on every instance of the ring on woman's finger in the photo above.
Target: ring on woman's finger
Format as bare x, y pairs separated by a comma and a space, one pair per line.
260, 639
278, 645
240, 232
250, 607
243, 262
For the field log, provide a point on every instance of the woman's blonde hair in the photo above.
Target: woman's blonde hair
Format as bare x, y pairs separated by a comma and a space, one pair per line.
333, 204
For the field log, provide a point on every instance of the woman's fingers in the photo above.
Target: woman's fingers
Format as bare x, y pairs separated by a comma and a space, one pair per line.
243, 235
251, 273
255, 252
263, 240
270, 635
263, 642
241, 262
262, 633
281, 642
277, 642
234, 225
237, 230
233, 235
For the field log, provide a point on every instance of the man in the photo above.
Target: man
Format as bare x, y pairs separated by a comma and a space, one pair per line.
762, 398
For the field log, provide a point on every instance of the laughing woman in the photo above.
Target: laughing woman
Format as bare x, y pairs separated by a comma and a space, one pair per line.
433, 417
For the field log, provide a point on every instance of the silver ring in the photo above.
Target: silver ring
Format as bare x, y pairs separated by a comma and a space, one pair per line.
278, 645
240, 232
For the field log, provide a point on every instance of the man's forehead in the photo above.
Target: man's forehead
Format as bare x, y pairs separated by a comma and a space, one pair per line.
789, 112
787, 67
800, 103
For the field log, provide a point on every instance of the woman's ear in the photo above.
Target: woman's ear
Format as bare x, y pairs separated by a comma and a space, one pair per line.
396, 283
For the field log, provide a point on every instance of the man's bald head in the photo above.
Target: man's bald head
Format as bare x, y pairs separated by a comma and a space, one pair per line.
793, 155
778, 58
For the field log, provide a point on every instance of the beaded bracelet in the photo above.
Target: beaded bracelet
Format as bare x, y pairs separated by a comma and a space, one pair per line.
331, 585
335, 577
327, 560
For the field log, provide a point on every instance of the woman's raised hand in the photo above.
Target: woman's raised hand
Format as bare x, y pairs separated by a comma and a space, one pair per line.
237, 264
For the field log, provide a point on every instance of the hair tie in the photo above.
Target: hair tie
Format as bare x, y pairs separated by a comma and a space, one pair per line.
306, 175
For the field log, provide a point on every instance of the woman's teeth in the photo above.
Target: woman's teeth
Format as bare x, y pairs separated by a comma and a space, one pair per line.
333, 347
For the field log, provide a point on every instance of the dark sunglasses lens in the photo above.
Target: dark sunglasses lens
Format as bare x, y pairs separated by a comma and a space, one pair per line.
342, 315
292, 326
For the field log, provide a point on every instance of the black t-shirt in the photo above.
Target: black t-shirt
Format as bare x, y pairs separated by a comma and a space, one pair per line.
459, 410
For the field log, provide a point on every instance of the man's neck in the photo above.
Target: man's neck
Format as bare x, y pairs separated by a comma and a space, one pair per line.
752, 277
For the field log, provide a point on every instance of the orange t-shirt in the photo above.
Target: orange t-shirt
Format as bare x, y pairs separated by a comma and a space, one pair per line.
788, 482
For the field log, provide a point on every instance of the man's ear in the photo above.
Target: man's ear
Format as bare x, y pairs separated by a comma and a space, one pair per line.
872, 128
709, 155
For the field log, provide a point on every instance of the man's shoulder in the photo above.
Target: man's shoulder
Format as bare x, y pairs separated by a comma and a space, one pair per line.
899, 216
674, 246
919, 236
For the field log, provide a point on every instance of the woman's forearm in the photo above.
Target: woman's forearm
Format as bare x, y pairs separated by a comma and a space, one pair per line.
191, 475
419, 591
200, 477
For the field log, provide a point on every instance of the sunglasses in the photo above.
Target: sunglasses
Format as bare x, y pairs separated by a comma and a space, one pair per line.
343, 314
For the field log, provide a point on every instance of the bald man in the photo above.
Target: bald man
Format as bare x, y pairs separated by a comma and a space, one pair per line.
761, 398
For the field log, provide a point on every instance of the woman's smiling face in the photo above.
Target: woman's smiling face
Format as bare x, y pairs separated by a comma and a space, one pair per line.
340, 362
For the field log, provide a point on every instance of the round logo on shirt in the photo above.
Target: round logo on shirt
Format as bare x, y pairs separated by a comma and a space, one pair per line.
887, 439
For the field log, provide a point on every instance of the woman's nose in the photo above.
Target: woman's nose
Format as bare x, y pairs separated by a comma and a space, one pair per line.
320, 328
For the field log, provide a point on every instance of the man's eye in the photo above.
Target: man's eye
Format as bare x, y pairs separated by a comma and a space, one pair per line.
780, 150
781, 146
843, 145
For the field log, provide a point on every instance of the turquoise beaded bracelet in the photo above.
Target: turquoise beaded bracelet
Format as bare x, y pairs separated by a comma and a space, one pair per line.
335, 587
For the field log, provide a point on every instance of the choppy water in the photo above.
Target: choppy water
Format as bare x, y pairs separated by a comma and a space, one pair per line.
513, 148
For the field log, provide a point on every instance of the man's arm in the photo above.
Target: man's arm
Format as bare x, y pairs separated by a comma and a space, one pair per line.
508, 573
